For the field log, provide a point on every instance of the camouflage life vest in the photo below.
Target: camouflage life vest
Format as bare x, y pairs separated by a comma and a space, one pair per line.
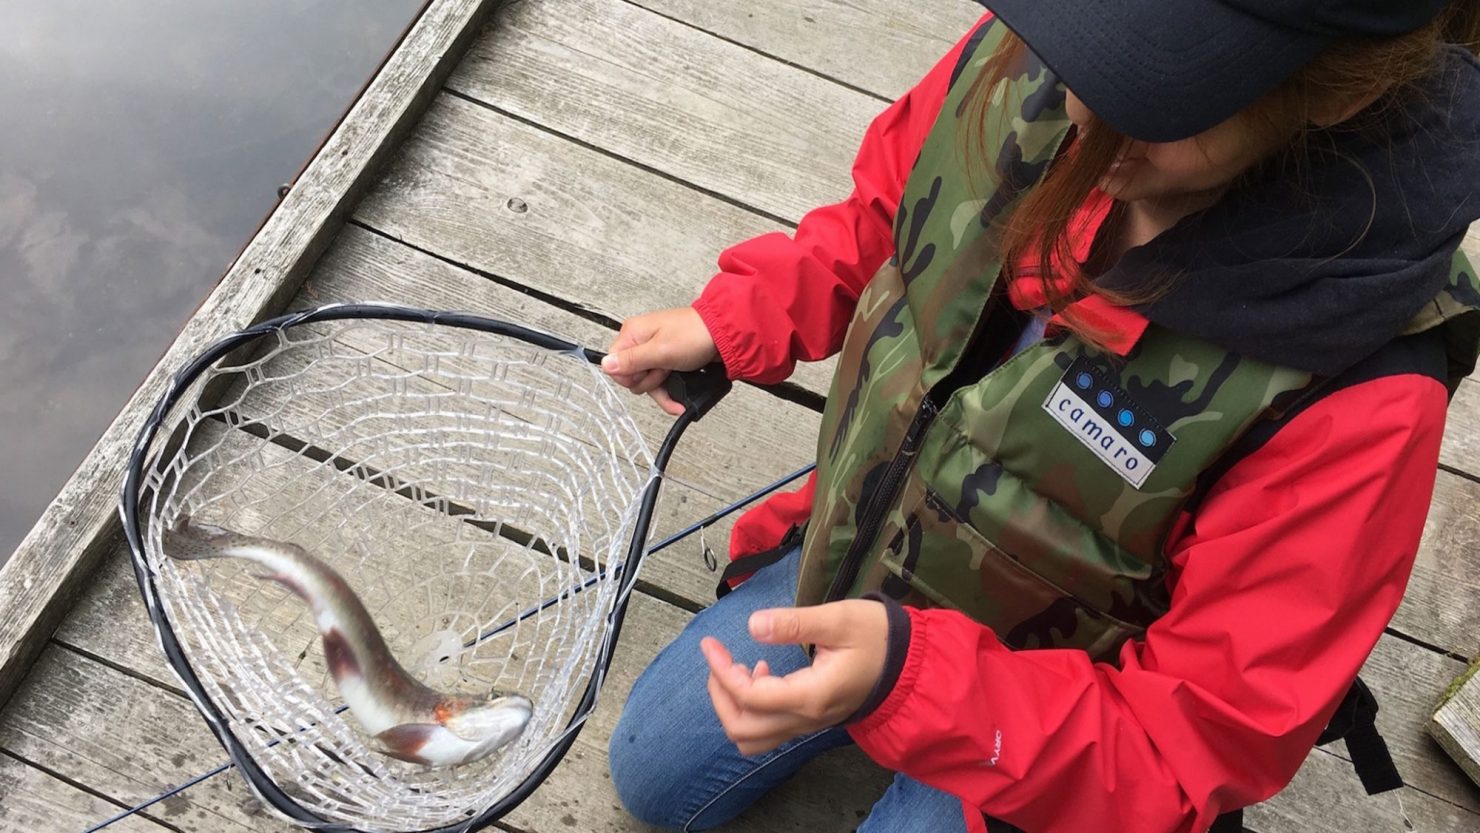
1036, 498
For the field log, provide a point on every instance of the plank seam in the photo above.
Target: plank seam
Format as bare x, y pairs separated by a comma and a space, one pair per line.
1459, 472
764, 54
789, 391
81, 787
122, 669
627, 160
1413, 640
1407, 785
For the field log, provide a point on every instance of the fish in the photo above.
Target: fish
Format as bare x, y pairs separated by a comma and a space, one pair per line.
407, 719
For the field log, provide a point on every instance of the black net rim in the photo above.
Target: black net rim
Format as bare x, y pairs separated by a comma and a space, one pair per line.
710, 382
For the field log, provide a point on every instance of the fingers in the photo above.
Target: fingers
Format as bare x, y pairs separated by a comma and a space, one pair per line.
799, 694
650, 345
666, 402
826, 625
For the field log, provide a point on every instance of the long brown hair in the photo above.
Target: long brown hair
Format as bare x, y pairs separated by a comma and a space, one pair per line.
1039, 230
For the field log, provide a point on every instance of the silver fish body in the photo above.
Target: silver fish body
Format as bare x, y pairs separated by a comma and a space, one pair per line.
408, 720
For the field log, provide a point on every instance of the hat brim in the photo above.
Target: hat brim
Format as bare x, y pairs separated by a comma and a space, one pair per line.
1157, 71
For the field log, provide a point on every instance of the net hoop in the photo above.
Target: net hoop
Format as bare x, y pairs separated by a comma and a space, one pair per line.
698, 392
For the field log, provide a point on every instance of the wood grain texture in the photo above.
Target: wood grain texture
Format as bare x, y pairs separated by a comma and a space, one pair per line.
1326, 796
32, 801
875, 45
1456, 724
40, 580
1407, 680
600, 236
127, 740
1442, 603
673, 98
1461, 448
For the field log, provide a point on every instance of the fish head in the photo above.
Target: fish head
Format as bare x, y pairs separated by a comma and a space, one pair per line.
487, 722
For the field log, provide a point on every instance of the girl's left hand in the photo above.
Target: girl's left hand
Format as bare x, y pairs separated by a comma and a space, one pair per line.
760, 711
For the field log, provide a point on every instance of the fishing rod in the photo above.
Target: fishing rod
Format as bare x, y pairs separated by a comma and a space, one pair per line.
698, 526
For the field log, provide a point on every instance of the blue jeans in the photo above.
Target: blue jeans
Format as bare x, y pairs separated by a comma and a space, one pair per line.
673, 766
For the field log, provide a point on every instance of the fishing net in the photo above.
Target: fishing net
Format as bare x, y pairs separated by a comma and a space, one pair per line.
477, 491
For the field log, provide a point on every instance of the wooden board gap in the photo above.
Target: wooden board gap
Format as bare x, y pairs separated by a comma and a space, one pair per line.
647, 169
764, 54
81, 787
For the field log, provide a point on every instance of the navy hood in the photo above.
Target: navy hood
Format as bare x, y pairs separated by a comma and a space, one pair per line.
1318, 270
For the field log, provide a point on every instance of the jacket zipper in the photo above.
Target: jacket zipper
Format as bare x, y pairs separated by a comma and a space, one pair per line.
978, 351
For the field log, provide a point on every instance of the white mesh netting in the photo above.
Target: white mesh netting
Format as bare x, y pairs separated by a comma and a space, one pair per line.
457, 480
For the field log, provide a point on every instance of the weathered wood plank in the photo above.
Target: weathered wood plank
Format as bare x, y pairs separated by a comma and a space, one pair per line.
1442, 603
668, 96
127, 740
1406, 680
1461, 448
600, 235
31, 800
1456, 724
876, 45
1325, 796
39, 582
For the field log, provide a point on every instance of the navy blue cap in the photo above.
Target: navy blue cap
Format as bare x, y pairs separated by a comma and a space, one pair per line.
1164, 70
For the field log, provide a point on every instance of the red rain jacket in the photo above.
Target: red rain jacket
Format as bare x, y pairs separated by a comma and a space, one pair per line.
1282, 580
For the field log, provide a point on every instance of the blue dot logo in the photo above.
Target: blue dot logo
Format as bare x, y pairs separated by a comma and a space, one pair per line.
1126, 418
1105, 399
1148, 438
1084, 380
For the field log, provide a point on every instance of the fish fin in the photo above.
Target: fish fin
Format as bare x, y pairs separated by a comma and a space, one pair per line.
405, 741
508, 715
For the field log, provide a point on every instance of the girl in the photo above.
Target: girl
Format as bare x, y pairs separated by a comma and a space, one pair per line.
1155, 308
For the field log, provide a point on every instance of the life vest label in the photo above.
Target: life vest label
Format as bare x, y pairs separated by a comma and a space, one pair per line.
1101, 415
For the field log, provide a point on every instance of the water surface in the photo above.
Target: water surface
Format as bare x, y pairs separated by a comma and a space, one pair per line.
141, 144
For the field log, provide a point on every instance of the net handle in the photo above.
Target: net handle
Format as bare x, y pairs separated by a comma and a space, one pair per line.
698, 390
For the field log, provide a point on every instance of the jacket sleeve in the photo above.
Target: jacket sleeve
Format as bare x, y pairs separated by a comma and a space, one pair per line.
781, 299
1284, 580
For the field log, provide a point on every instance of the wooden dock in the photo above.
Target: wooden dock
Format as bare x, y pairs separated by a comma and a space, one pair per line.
565, 164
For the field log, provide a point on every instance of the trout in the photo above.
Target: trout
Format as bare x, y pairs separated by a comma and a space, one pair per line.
407, 719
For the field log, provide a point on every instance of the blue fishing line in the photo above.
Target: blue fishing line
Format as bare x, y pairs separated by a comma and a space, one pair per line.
489, 634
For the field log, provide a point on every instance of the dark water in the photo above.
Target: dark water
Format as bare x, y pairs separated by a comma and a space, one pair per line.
141, 144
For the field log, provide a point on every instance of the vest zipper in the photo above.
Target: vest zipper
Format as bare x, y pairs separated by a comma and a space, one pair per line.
993, 335
883, 496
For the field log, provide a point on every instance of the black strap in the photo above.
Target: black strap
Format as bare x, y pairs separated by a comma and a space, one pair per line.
1230, 822
746, 565
1356, 721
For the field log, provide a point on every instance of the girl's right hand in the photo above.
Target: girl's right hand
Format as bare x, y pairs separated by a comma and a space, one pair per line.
651, 345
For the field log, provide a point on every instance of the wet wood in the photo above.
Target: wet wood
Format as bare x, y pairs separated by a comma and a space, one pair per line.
40, 580
32, 800
1456, 725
